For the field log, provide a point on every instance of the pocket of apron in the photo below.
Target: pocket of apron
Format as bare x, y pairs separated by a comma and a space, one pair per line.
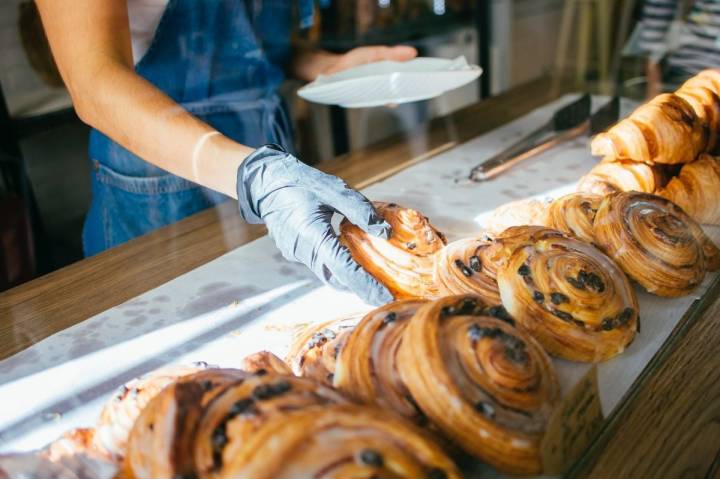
125, 207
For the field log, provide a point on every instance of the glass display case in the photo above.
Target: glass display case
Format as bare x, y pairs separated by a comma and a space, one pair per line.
530, 288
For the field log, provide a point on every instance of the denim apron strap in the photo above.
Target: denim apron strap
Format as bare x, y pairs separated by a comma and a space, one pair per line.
219, 59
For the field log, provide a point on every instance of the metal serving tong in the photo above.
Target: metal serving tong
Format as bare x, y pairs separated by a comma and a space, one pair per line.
566, 123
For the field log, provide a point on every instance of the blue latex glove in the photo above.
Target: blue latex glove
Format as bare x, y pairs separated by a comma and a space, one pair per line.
296, 202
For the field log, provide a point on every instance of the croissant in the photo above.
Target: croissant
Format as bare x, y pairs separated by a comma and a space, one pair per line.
702, 94
119, 414
515, 213
338, 441
458, 363
612, 175
664, 130
403, 263
697, 189
655, 242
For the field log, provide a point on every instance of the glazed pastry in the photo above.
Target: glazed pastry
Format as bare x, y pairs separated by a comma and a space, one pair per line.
515, 213
571, 297
664, 130
265, 362
339, 442
697, 189
404, 263
119, 414
485, 384
233, 417
612, 175
462, 267
160, 444
315, 350
366, 367
655, 242
573, 214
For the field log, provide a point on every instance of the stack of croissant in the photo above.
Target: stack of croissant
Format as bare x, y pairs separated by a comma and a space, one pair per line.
666, 147
229, 423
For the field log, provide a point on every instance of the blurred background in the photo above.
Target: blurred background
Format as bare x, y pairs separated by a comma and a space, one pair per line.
593, 44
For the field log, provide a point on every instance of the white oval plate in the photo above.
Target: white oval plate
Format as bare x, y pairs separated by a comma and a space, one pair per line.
388, 82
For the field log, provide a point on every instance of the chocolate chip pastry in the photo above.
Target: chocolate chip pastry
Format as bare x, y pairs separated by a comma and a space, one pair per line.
233, 424
568, 294
415, 262
655, 242
458, 366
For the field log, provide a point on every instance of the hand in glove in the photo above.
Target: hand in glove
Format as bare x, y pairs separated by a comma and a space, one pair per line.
297, 202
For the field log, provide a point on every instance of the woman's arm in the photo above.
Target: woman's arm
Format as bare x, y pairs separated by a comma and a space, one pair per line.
90, 40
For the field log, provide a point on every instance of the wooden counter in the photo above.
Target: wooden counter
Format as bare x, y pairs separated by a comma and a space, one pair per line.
667, 427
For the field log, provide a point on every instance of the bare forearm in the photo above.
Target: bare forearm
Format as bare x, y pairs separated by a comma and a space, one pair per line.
91, 44
144, 120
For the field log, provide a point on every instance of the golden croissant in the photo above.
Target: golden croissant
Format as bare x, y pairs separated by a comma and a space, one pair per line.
664, 130
612, 175
696, 189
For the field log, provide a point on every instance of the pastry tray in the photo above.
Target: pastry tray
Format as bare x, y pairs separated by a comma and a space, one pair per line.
252, 299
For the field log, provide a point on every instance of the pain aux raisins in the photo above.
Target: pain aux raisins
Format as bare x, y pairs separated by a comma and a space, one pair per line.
410, 245
499, 312
538, 297
271, 390
463, 269
219, 435
436, 473
524, 270
562, 315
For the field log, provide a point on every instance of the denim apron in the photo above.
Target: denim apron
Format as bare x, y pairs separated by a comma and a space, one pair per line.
219, 59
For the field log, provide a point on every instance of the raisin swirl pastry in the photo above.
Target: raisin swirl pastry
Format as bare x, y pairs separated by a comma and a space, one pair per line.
160, 444
569, 295
366, 367
485, 384
655, 242
119, 414
337, 442
315, 349
574, 214
404, 263
463, 267
232, 418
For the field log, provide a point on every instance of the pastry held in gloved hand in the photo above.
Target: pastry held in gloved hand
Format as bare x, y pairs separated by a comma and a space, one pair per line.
697, 189
296, 202
568, 294
655, 242
404, 262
